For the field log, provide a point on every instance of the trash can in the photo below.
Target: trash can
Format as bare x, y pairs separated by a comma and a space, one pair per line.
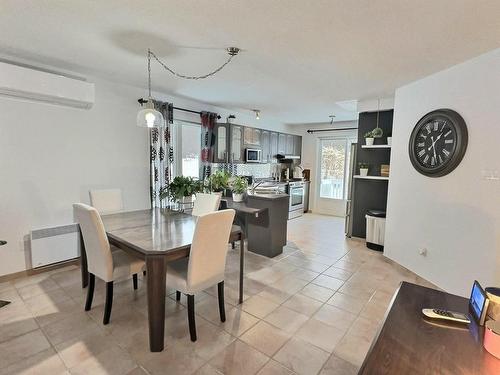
375, 229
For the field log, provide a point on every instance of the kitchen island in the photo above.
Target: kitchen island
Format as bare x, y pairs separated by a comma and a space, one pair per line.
263, 218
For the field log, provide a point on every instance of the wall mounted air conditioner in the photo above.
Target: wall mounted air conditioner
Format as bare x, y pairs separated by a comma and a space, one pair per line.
26, 83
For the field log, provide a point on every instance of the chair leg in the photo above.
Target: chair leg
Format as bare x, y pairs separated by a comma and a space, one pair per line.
90, 292
192, 323
134, 279
177, 295
222, 310
109, 302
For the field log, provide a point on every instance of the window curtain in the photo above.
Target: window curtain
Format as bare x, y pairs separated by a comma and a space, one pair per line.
161, 155
208, 120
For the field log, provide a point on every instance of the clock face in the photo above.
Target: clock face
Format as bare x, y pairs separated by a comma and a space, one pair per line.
438, 143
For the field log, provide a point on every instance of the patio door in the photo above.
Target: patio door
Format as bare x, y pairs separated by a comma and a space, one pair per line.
333, 174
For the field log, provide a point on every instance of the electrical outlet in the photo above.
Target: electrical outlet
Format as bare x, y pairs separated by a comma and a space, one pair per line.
423, 252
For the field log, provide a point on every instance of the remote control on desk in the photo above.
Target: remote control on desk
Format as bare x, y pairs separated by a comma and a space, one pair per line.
446, 315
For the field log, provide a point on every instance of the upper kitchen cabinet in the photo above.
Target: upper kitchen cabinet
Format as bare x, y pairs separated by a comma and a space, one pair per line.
297, 145
237, 150
281, 143
273, 147
289, 144
265, 143
221, 152
251, 137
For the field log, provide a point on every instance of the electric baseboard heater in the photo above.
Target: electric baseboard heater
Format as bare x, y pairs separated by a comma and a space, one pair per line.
54, 245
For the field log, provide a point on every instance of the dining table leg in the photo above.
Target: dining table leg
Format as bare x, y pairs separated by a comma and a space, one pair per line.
242, 264
156, 271
83, 263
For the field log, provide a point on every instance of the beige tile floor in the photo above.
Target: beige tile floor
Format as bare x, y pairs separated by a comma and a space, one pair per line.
314, 309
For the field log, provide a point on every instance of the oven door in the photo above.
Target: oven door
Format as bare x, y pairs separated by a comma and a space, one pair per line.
296, 197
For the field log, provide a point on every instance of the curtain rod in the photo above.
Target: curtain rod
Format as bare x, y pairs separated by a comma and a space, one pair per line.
311, 131
144, 101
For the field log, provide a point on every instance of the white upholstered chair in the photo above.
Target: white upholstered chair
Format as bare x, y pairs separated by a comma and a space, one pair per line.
106, 201
102, 262
206, 263
205, 203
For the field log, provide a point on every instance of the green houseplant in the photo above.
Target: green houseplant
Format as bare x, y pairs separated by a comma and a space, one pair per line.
180, 188
239, 187
363, 169
218, 181
369, 138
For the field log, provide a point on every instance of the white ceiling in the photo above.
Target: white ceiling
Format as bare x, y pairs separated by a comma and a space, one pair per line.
300, 58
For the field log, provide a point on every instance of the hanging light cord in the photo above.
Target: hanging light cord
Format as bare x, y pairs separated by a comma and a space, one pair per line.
232, 51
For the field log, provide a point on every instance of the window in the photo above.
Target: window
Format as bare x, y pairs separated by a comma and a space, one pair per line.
334, 166
187, 146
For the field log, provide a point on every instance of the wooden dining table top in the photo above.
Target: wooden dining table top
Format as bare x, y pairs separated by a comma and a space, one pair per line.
153, 231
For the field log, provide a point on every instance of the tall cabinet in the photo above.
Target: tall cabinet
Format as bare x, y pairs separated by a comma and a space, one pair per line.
370, 192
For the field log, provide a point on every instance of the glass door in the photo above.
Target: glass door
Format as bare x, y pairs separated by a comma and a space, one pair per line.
333, 173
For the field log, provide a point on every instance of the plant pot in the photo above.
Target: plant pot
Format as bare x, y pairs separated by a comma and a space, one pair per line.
369, 141
389, 141
238, 197
363, 172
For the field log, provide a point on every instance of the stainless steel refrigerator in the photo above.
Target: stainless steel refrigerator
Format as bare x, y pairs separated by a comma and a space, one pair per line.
350, 187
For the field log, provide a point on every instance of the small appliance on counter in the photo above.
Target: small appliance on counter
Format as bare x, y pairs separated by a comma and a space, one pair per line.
297, 172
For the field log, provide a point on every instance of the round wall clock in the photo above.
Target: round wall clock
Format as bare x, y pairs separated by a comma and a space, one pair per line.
438, 142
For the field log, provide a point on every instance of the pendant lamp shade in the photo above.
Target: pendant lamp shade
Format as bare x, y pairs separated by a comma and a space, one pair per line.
149, 117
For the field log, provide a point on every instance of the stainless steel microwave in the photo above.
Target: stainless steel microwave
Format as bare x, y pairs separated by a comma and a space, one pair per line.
253, 155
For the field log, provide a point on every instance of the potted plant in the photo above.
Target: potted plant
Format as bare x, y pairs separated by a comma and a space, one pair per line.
363, 169
239, 187
369, 138
181, 188
218, 182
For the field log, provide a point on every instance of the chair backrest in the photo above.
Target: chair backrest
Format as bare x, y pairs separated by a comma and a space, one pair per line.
205, 203
99, 258
207, 258
106, 201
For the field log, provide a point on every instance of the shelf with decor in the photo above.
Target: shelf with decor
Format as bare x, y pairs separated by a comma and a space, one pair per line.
372, 177
376, 146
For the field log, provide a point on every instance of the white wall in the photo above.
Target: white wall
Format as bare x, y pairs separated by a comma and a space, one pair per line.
50, 156
310, 160
455, 217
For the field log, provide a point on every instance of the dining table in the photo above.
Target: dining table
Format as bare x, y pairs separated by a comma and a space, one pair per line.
157, 236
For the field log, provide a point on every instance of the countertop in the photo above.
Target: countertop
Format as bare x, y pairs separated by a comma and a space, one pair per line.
243, 206
267, 196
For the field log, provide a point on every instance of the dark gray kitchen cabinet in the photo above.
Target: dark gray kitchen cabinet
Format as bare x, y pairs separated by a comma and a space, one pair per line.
251, 137
237, 151
221, 152
289, 144
297, 145
281, 143
265, 143
273, 147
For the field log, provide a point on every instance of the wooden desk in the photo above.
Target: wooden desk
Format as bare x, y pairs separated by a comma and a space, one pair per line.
158, 236
408, 343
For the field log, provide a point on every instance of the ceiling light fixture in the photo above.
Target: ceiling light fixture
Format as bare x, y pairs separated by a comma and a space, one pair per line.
257, 113
332, 117
148, 117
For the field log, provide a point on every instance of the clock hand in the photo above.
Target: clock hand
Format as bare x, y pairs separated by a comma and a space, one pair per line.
434, 141
432, 145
